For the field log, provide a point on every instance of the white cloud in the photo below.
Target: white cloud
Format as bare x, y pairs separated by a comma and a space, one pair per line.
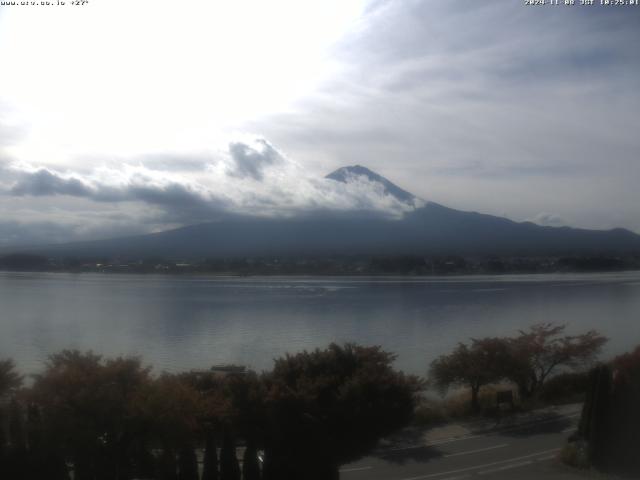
251, 177
485, 106
548, 219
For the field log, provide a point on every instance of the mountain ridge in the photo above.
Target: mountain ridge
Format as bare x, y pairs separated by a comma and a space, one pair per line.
344, 175
428, 229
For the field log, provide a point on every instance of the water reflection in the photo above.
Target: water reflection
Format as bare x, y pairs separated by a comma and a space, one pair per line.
186, 322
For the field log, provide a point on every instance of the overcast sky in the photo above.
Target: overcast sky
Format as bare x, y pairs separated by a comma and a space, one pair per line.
122, 117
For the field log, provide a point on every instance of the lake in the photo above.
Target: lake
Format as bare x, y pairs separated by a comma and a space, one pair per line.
184, 322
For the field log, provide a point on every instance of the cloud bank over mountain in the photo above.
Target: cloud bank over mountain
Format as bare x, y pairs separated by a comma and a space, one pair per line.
523, 112
490, 105
252, 177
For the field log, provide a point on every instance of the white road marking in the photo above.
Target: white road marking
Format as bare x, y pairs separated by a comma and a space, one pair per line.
506, 467
456, 439
354, 469
467, 469
469, 452
544, 459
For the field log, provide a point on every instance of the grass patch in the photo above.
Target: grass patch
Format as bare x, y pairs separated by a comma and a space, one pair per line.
574, 454
457, 405
429, 413
562, 389
565, 388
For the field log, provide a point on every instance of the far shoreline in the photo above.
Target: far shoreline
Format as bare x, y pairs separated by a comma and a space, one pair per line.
373, 276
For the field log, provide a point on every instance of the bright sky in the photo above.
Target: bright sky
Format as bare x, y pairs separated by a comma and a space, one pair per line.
126, 78
121, 117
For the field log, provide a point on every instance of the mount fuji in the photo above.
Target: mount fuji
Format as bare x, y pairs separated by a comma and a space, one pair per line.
427, 228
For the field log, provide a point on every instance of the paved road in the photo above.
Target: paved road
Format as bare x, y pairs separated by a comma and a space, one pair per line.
517, 452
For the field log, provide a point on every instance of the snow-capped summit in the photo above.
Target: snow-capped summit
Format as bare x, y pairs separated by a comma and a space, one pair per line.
351, 173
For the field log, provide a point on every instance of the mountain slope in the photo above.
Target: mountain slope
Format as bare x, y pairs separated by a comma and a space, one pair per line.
433, 229
347, 174
429, 229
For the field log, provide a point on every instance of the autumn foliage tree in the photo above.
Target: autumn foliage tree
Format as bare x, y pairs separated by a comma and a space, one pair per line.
543, 349
84, 402
527, 360
168, 409
111, 419
624, 417
609, 432
472, 366
329, 407
10, 380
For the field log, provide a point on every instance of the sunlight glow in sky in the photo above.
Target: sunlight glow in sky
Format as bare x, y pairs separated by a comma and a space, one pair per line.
121, 77
123, 117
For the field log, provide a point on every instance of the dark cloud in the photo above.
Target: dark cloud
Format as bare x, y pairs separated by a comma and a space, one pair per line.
223, 187
555, 40
43, 182
45, 232
32, 233
251, 160
172, 196
489, 169
482, 102
489, 106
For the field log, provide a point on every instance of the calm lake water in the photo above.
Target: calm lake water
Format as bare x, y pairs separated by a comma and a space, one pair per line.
177, 322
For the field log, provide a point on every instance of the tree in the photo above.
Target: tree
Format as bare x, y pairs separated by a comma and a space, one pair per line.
210, 464
167, 408
540, 351
250, 466
229, 468
245, 408
473, 366
187, 464
329, 407
10, 380
611, 416
3, 450
17, 459
86, 405
622, 437
45, 459
167, 466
